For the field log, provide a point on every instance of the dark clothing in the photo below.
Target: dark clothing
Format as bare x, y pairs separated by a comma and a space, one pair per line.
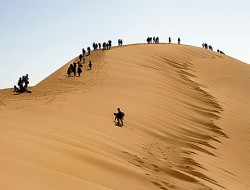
88, 50
119, 115
74, 68
90, 65
83, 51
79, 70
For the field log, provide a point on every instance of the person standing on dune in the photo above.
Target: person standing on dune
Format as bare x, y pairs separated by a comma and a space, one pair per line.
79, 69
83, 51
179, 40
88, 49
119, 117
90, 64
74, 68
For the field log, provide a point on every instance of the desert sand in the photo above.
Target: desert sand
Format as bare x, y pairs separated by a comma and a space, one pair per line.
187, 124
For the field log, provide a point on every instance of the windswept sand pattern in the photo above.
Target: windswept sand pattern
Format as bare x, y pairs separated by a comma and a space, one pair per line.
202, 110
186, 124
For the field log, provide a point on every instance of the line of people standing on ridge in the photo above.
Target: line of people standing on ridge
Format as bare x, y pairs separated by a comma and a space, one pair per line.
170, 40
206, 46
155, 40
96, 46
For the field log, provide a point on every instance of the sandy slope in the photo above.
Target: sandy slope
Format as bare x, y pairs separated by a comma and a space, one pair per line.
186, 124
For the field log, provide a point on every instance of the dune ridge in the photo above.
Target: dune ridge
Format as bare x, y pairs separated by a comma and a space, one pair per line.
186, 123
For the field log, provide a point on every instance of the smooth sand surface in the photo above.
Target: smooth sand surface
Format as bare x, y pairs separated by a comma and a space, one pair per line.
187, 124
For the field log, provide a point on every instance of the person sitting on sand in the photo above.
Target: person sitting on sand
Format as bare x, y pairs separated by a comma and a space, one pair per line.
15, 89
119, 117
22, 84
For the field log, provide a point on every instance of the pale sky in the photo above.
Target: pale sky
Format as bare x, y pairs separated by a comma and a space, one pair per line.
37, 37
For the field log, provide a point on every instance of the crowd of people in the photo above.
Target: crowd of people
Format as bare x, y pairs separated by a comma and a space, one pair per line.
154, 40
98, 46
22, 84
75, 67
206, 46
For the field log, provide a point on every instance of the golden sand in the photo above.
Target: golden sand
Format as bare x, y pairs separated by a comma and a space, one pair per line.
186, 125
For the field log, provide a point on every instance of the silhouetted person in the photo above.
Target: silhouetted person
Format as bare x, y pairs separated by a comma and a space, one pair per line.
20, 84
119, 117
157, 40
169, 40
90, 64
83, 59
95, 45
179, 40
26, 81
104, 45
222, 52
154, 40
149, 40
100, 46
109, 44
88, 49
16, 89
79, 69
83, 51
80, 57
74, 68
69, 71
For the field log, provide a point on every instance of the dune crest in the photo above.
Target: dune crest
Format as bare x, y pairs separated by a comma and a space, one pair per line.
186, 123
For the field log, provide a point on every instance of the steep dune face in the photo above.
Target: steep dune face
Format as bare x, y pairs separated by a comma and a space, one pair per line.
186, 124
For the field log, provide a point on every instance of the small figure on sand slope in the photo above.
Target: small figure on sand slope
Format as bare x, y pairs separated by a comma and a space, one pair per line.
119, 116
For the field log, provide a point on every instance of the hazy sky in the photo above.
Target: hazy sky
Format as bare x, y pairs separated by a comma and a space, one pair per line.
39, 36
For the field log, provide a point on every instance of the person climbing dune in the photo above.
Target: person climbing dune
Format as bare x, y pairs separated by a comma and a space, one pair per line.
119, 116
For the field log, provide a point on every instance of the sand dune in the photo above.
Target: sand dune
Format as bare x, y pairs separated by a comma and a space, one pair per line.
186, 123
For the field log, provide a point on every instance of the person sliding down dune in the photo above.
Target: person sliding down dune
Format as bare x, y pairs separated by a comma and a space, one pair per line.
119, 117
